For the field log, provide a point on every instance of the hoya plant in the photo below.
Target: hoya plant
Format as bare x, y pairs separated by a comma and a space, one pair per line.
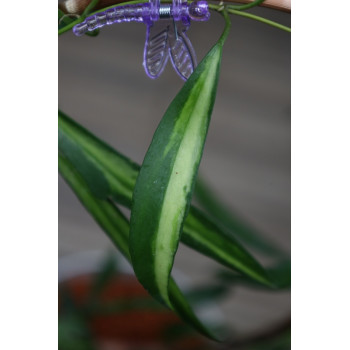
159, 191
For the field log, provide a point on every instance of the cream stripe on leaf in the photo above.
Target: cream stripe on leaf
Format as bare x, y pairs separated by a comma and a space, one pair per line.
164, 186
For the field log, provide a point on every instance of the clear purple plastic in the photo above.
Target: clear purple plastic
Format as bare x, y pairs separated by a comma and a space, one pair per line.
166, 31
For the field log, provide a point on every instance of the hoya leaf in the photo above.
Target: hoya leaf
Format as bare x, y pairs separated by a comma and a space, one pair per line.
121, 174
90, 7
84, 165
220, 214
279, 276
163, 189
207, 294
116, 226
203, 234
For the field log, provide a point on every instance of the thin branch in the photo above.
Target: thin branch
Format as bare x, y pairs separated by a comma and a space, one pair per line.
280, 5
248, 5
258, 18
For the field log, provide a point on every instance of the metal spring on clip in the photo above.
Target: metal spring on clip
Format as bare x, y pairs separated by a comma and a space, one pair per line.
165, 11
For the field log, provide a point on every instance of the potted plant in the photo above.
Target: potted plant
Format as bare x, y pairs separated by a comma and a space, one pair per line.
159, 191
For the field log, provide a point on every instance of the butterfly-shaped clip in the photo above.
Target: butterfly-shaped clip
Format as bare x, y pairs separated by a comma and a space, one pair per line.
166, 37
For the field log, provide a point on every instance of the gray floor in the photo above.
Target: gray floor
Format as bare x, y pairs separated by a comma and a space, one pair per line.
246, 160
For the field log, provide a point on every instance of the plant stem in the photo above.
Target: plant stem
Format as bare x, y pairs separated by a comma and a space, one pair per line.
247, 6
258, 18
227, 27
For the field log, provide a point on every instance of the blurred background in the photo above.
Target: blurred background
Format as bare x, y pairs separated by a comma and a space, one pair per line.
246, 161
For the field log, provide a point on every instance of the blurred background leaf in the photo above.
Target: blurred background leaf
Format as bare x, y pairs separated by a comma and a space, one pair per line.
238, 227
279, 274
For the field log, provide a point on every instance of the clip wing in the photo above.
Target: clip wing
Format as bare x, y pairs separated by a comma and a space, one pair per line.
156, 52
182, 54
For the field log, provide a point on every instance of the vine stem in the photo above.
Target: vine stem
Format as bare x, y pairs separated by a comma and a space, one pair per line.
230, 10
227, 26
251, 16
247, 6
260, 19
279, 5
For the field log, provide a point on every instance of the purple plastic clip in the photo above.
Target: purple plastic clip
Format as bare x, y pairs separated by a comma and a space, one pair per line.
166, 32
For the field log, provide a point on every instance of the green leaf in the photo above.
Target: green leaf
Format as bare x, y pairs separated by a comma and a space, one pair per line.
233, 222
121, 174
163, 189
207, 294
279, 276
204, 236
89, 8
85, 166
116, 226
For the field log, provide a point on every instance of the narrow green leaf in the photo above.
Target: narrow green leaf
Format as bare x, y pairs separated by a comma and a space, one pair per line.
116, 226
280, 274
233, 222
207, 294
279, 277
164, 186
121, 174
103, 211
85, 166
202, 234
89, 8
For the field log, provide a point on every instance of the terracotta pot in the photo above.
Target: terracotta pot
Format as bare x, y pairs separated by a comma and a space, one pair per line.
149, 326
